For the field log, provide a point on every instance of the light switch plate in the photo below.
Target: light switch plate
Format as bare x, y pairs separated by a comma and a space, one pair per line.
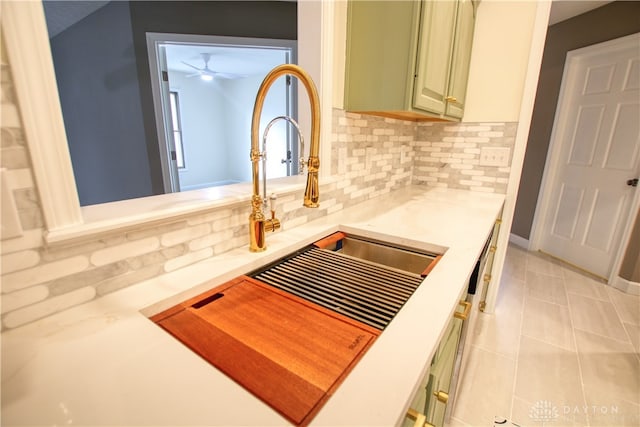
495, 156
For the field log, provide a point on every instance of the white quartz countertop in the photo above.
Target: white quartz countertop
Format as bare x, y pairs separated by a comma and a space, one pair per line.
105, 363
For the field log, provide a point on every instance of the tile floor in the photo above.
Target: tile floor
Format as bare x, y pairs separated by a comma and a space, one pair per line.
561, 349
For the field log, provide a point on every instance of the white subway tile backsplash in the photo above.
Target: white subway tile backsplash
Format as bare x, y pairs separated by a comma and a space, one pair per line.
491, 134
19, 261
471, 171
30, 239
239, 218
190, 258
43, 273
124, 251
130, 278
227, 245
477, 139
210, 240
24, 297
478, 128
455, 164
47, 307
189, 233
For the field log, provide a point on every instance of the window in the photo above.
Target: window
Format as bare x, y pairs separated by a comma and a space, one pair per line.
177, 128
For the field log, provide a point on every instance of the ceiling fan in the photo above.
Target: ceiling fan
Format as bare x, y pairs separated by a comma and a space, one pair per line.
208, 74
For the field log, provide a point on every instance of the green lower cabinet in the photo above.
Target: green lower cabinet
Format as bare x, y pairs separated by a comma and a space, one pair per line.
430, 402
441, 373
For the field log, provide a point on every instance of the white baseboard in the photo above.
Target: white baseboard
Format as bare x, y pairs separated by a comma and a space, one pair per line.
626, 286
519, 241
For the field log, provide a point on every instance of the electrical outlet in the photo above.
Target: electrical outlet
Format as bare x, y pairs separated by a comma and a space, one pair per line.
495, 156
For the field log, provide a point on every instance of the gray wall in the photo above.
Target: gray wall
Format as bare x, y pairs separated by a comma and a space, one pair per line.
259, 19
103, 75
99, 94
614, 20
630, 267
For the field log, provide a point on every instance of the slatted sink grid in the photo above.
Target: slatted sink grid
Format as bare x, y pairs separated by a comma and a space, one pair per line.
361, 290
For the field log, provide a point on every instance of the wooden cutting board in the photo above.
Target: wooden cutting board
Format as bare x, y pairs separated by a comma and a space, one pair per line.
288, 352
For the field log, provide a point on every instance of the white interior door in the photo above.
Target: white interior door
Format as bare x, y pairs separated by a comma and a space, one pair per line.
596, 141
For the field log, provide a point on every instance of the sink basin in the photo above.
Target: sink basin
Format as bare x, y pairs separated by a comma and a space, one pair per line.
408, 260
292, 331
365, 280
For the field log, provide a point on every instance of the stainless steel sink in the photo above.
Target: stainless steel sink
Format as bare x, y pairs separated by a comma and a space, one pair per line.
365, 280
394, 257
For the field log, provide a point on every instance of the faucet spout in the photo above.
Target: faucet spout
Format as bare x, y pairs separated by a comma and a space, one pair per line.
257, 221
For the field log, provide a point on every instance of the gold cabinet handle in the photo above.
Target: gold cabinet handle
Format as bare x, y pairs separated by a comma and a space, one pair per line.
498, 221
451, 99
441, 396
493, 248
420, 419
465, 314
487, 278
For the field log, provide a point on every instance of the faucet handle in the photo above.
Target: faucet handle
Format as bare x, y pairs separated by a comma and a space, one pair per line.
272, 203
301, 163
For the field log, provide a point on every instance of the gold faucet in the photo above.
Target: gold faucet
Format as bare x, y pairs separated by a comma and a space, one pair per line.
258, 224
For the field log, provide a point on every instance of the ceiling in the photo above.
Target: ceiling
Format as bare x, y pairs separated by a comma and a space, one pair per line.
224, 59
562, 10
63, 14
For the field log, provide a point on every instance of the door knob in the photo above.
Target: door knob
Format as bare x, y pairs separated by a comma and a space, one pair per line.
633, 182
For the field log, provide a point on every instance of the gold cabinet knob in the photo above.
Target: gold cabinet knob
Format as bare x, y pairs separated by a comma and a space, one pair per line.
419, 418
487, 278
493, 248
441, 396
465, 314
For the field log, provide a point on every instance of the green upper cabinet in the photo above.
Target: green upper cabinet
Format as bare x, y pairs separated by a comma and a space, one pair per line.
379, 57
461, 58
408, 59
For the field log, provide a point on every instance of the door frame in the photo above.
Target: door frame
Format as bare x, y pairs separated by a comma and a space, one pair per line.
170, 175
553, 161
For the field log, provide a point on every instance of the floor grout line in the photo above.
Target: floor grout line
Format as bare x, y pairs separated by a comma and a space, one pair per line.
622, 322
515, 372
516, 404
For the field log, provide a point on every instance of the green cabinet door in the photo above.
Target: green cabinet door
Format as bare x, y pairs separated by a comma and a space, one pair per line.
380, 55
441, 374
457, 90
434, 56
408, 59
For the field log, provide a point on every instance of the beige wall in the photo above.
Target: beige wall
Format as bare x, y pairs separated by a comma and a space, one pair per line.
499, 60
